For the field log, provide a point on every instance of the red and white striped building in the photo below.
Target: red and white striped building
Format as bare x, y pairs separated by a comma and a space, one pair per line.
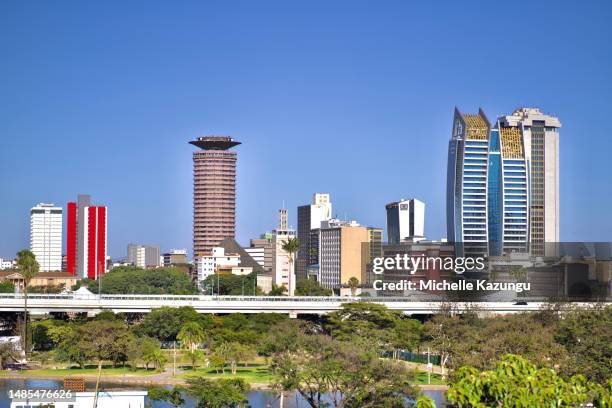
86, 231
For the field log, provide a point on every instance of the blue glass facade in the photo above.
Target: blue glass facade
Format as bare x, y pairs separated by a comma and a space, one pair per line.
487, 187
495, 196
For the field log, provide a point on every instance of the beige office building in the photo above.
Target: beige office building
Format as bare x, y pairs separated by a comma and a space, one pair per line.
346, 249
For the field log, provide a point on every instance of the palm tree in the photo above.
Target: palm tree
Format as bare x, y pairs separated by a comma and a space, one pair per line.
28, 269
291, 246
191, 336
353, 284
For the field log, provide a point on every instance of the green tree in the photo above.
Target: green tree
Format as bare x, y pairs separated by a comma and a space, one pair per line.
239, 353
277, 290
192, 336
165, 323
424, 402
480, 342
375, 324
353, 284
172, 397
6, 286
585, 334
28, 269
99, 340
310, 287
48, 333
146, 350
129, 279
349, 374
223, 393
516, 382
234, 285
291, 246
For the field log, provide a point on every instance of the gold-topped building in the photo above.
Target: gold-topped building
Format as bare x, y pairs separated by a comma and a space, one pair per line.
503, 183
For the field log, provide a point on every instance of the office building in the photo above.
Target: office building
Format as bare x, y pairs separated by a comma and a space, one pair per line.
345, 251
46, 236
261, 250
309, 221
257, 253
143, 256
405, 220
175, 257
503, 183
86, 243
218, 261
7, 264
282, 274
540, 135
214, 192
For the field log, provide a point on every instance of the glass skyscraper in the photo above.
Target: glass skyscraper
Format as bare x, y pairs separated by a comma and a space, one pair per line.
500, 180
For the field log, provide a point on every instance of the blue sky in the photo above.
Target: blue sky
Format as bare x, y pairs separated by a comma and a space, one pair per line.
354, 98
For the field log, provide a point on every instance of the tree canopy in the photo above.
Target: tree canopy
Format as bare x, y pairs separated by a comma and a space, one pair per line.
129, 279
516, 380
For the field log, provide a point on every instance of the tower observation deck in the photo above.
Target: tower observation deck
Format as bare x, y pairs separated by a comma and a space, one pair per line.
215, 142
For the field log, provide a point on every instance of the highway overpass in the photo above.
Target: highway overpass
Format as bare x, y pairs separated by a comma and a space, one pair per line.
92, 304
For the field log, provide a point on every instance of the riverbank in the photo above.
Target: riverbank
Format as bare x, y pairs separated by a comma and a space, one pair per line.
165, 378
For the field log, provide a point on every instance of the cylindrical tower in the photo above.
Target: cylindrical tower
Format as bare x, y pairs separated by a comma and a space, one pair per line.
214, 193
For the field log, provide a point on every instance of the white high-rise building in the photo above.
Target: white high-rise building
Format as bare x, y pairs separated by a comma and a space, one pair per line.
46, 236
405, 220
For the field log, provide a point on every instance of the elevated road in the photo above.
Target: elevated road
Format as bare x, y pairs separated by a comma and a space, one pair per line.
92, 304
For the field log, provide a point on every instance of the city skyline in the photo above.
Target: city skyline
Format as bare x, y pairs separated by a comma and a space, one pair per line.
114, 122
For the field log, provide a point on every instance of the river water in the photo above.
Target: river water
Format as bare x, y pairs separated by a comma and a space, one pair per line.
257, 399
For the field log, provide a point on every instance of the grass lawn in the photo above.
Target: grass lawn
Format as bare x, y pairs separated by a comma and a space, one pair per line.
421, 378
256, 373
109, 371
259, 373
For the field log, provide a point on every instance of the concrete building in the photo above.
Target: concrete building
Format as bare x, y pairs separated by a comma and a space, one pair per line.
7, 264
261, 249
503, 183
175, 257
281, 266
309, 221
258, 254
54, 278
345, 251
143, 256
46, 236
218, 261
86, 241
405, 220
214, 193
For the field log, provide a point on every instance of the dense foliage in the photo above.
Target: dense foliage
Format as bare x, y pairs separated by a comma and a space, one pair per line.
7, 286
327, 371
231, 285
128, 279
517, 382
310, 287
383, 329
576, 341
336, 358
